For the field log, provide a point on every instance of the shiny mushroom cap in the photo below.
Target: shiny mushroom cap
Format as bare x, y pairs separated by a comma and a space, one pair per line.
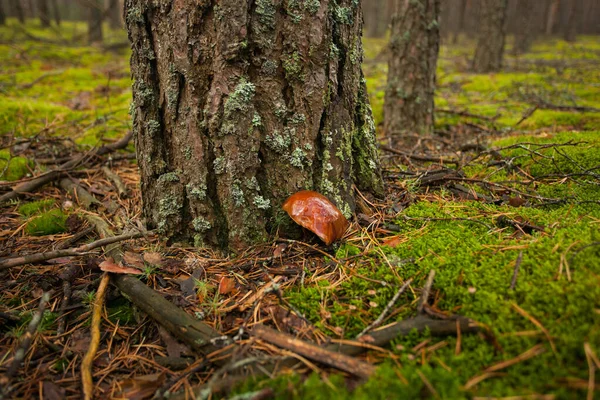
316, 213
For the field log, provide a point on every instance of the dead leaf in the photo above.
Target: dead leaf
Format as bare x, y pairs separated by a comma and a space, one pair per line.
153, 258
226, 285
133, 259
141, 387
393, 241
516, 201
188, 286
109, 265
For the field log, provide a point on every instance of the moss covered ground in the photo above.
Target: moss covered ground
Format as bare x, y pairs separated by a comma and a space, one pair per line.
551, 162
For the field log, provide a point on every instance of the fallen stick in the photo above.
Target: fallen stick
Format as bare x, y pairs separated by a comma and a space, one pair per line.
198, 335
35, 183
87, 380
426, 290
416, 157
77, 251
82, 196
116, 181
314, 352
24, 346
387, 309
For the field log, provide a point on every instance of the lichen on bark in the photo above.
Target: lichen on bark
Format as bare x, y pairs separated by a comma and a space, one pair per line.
238, 105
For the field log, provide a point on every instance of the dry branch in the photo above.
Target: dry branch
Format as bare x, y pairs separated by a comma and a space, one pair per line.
314, 352
33, 184
87, 381
77, 251
24, 346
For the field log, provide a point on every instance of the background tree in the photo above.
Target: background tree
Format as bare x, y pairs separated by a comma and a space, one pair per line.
95, 18
490, 43
43, 13
56, 12
414, 47
237, 106
573, 21
525, 27
2, 14
17, 10
115, 10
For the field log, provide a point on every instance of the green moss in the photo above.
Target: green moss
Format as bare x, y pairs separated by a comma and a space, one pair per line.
47, 223
13, 168
35, 207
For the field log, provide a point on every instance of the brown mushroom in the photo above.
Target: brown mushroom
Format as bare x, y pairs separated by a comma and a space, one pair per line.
316, 213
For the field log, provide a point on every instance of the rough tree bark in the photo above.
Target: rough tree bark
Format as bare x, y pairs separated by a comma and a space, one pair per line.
95, 18
238, 105
43, 13
414, 47
2, 14
490, 44
525, 27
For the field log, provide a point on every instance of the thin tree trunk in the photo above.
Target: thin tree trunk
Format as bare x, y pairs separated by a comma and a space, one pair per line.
573, 21
490, 44
525, 26
460, 24
2, 14
114, 14
17, 9
551, 17
95, 17
56, 12
414, 46
238, 106
43, 13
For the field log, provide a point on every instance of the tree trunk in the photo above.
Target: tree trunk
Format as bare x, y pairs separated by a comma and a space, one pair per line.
56, 12
2, 14
460, 23
95, 17
573, 21
551, 17
525, 26
17, 9
114, 14
414, 47
490, 44
237, 106
43, 13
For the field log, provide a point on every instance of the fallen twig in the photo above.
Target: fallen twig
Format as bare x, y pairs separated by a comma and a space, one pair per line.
426, 290
416, 157
117, 182
86, 364
39, 181
24, 346
314, 352
513, 282
77, 251
387, 309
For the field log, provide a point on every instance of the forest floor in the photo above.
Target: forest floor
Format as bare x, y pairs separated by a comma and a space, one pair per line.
502, 203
